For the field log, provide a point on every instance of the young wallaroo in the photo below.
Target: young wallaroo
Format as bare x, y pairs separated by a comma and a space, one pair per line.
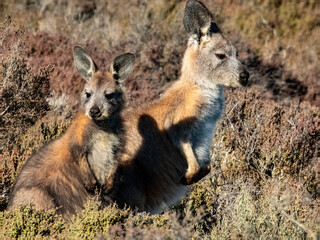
63, 173
167, 144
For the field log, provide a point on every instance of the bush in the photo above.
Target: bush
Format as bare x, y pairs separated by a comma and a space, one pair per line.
263, 182
23, 93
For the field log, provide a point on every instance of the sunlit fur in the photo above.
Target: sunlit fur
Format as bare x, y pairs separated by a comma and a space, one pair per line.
209, 69
98, 88
64, 173
167, 143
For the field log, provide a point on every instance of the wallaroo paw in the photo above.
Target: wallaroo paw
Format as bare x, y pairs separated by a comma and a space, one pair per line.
189, 179
203, 172
108, 186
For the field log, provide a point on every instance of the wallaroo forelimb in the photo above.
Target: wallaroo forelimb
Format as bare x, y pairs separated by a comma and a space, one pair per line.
167, 143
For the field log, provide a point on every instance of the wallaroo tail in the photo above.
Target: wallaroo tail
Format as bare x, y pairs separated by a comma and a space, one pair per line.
65, 172
167, 143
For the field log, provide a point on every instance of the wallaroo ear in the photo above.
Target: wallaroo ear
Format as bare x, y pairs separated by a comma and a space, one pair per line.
122, 66
84, 63
198, 20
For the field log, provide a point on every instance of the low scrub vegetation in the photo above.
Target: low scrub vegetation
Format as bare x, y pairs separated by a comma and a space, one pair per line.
264, 182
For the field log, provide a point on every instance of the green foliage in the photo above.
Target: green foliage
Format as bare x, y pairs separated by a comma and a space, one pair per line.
252, 218
200, 197
93, 220
26, 223
23, 93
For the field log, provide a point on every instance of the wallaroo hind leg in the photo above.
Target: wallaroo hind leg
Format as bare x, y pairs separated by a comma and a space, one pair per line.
38, 198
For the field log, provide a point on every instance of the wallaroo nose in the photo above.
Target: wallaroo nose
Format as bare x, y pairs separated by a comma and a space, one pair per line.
95, 112
244, 76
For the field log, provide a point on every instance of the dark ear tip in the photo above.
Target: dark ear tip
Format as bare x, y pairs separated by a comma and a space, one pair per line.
197, 17
127, 57
131, 56
192, 3
79, 50
76, 48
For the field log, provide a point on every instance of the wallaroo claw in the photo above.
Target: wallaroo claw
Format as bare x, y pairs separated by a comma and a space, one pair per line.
190, 178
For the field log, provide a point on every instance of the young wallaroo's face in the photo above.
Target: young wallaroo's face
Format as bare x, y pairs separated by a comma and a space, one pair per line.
102, 97
217, 61
215, 58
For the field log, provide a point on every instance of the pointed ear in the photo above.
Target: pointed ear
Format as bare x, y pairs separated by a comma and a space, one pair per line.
122, 66
198, 20
84, 63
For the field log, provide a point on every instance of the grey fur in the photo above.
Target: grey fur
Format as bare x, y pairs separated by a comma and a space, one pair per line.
167, 143
83, 62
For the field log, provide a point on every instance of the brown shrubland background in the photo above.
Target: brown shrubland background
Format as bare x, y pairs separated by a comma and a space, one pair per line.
264, 181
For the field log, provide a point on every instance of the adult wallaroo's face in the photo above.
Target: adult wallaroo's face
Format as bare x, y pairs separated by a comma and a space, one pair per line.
215, 57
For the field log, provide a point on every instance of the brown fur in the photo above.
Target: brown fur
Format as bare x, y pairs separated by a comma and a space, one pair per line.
58, 175
64, 173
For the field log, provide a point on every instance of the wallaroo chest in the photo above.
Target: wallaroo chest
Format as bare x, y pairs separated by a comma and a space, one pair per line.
203, 130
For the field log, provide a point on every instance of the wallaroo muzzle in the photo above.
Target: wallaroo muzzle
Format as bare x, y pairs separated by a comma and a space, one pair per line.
95, 112
244, 77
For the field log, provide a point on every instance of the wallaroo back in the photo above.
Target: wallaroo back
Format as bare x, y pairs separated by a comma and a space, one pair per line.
65, 172
167, 144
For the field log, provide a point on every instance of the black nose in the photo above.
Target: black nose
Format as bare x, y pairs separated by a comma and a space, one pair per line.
95, 112
244, 77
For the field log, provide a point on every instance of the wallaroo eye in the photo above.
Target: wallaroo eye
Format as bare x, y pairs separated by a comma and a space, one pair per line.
88, 94
110, 96
221, 56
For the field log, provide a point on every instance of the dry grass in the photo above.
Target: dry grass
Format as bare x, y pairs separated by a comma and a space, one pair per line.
265, 156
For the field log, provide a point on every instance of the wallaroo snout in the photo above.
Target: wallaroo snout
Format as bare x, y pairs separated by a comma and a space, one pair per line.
244, 77
167, 143
64, 172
